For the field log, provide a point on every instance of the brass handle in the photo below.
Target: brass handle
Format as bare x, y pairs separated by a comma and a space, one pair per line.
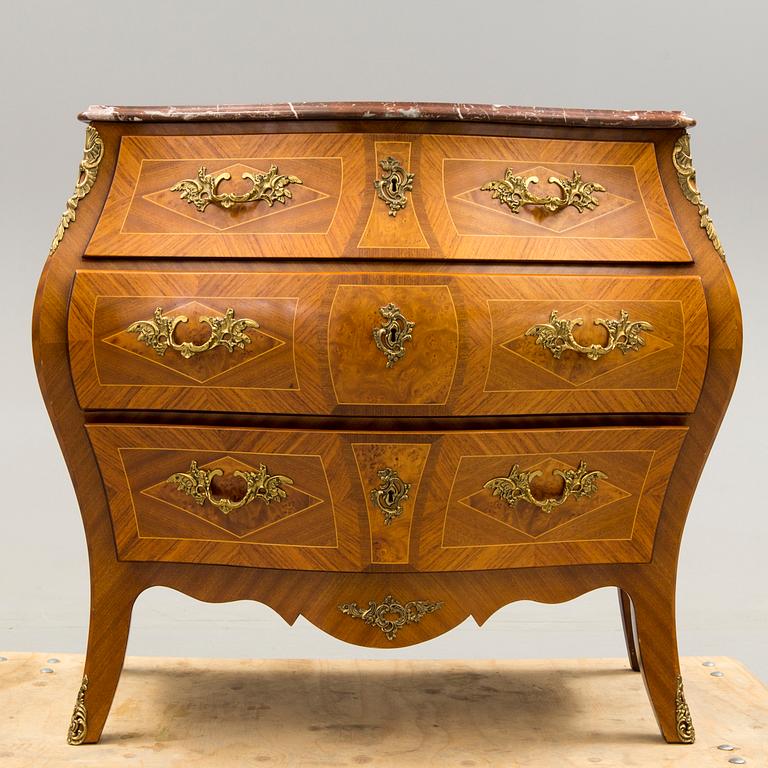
557, 335
271, 187
390, 615
395, 181
395, 330
517, 486
226, 332
259, 486
390, 494
513, 192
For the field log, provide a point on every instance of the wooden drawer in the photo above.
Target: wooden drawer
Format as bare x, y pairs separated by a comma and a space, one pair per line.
331, 207
481, 344
144, 217
630, 220
323, 500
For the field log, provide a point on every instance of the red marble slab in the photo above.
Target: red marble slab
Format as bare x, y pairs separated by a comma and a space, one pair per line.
393, 110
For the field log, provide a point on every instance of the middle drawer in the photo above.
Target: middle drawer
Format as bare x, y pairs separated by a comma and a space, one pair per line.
387, 344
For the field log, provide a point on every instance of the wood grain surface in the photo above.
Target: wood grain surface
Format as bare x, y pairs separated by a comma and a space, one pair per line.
140, 396
143, 217
336, 212
454, 522
204, 713
632, 221
314, 351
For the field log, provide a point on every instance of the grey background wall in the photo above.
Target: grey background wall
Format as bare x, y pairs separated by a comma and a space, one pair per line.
57, 57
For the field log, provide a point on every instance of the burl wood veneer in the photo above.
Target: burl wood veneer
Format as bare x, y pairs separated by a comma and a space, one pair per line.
386, 366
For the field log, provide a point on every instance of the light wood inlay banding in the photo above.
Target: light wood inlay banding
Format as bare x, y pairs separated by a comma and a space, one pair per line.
479, 404
143, 217
314, 351
393, 232
391, 543
633, 221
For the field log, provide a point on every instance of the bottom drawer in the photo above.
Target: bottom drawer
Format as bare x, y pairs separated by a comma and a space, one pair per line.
352, 501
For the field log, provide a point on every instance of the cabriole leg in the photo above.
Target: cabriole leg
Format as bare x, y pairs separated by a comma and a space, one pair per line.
653, 617
107, 640
629, 635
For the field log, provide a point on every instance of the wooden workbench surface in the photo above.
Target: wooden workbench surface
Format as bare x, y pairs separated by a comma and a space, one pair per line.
228, 713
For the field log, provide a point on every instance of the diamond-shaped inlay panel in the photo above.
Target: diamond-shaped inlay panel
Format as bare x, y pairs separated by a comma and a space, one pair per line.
204, 366
222, 219
574, 368
559, 221
609, 500
519, 364
252, 517
622, 211
529, 519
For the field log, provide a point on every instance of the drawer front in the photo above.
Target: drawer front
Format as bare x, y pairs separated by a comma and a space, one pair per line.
387, 344
233, 497
387, 196
480, 208
156, 207
546, 497
317, 500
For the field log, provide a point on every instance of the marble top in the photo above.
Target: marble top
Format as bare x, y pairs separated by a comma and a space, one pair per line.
393, 110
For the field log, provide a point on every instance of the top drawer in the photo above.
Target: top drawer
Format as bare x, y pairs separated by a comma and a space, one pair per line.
316, 196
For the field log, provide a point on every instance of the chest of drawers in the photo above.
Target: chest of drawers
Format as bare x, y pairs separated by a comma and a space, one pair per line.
386, 366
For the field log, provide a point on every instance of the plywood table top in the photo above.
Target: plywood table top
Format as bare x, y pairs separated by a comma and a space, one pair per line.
212, 712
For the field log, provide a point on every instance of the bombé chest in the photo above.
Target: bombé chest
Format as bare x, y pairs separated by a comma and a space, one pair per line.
386, 367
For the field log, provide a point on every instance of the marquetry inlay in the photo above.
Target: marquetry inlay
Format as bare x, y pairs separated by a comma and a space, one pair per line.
528, 519
381, 229
224, 219
532, 362
385, 367
202, 368
249, 519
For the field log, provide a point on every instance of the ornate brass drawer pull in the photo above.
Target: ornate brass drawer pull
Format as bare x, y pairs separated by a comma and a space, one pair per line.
390, 338
391, 615
271, 187
259, 486
395, 181
390, 495
513, 192
225, 332
517, 486
557, 335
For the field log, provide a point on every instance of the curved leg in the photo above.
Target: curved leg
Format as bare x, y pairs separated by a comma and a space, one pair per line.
626, 623
656, 643
111, 608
